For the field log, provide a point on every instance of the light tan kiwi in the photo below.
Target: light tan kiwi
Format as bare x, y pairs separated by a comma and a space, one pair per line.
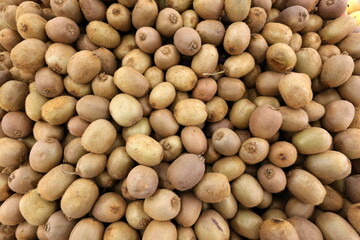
31, 25
305, 187
163, 205
190, 112
12, 152
311, 40
296, 17
334, 227
58, 226
209, 10
91, 165
67, 31
240, 113
296, 208
304, 56
120, 229
312, 140
276, 33
83, 66
138, 60
136, 216
271, 178
237, 38
79, 198
34, 209
349, 88
144, 13
141, 127
349, 43
144, 149
247, 223
168, 22
57, 56
185, 233
172, 147
87, 228
227, 207
257, 47
110, 207
99, 136
158, 99
237, 11
282, 154
208, 218
119, 110
107, 59
136, 87
25, 231
154, 75
247, 190
278, 229
346, 142
296, 42
204, 63
119, 17
45, 154
230, 89
183, 78
302, 84
216, 109
337, 30
305, 228
4, 187
336, 70
293, 119
73, 150
164, 230
211, 32
256, 19
213, 187
254, 150
166, 56
43, 130
190, 18
142, 182
126, 45
69, 8
265, 122
190, 209
53, 185
239, 66
9, 38
281, 58
119, 163
331, 120
194, 140
232, 167
9, 210
96, 31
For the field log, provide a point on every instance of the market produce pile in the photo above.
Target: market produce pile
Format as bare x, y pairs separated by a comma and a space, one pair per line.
180, 119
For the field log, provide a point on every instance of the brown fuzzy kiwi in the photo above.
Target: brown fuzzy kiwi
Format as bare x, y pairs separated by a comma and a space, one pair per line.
256, 19
87, 228
296, 208
278, 229
110, 207
180, 168
83, 66
135, 215
76, 126
209, 9
9, 210
93, 10
211, 32
304, 56
331, 9
219, 227
226, 141
248, 228
187, 41
32, 26
194, 140
296, 17
257, 47
103, 34
216, 109
163, 205
119, 229
205, 89
12, 152
69, 8
58, 226
190, 18
142, 182
265, 122
337, 30
144, 13
164, 230
48, 83
91, 165
25, 230
148, 39
16, 125
334, 227
276, 33
267, 83
45, 155
57, 57
239, 65
349, 89
271, 178
29, 54
280, 58
305, 187
254, 150
346, 142
9, 38
331, 120
137, 86
213, 187
67, 31
119, 17
91, 108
